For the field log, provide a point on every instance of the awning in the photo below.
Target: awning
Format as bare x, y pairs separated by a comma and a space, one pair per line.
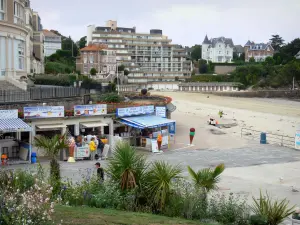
13, 125
51, 126
94, 124
142, 122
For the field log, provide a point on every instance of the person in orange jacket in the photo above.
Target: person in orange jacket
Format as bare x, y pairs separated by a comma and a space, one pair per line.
159, 141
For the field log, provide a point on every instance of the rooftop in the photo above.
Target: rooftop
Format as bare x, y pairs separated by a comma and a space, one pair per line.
214, 41
48, 33
94, 47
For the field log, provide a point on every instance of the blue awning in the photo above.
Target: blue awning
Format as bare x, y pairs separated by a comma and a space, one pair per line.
13, 125
142, 122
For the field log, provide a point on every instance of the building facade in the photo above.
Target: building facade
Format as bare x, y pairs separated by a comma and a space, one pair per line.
99, 57
150, 57
208, 87
52, 42
16, 39
258, 51
217, 50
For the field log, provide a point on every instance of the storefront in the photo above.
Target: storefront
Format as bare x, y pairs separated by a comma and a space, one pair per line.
87, 119
144, 124
15, 138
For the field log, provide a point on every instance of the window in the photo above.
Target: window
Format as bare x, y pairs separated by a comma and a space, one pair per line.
227, 52
219, 52
2, 9
21, 55
85, 59
18, 13
85, 69
91, 59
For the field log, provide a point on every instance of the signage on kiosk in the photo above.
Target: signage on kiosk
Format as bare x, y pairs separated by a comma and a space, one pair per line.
297, 140
161, 111
44, 112
9, 114
135, 111
90, 110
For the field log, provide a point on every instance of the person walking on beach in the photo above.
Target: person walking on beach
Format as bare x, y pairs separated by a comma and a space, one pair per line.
93, 148
100, 171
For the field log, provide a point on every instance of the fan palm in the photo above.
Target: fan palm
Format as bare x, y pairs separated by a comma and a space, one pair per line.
52, 147
275, 211
207, 179
126, 166
159, 181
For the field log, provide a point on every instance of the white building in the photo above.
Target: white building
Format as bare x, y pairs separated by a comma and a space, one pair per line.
52, 42
217, 49
297, 56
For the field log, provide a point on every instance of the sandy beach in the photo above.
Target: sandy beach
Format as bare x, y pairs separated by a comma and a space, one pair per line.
276, 116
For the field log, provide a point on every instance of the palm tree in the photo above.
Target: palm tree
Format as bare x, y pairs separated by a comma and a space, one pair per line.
159, 181
126, 166
207, 179
52, 147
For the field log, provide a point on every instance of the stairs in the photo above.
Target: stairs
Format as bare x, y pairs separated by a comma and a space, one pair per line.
6, 86
11, 93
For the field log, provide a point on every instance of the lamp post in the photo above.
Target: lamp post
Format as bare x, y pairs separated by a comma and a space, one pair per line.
118, 86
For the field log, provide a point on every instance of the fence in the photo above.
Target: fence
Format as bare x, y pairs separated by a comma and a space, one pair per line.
279, 139
9, 96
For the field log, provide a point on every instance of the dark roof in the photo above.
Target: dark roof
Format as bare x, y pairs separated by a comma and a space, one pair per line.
249, 43
238, 48
258, 46
214, 41
206, 41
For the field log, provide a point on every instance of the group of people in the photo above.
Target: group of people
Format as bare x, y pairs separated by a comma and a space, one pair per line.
95, 144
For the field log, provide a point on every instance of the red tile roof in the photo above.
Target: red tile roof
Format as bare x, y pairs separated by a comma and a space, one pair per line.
49, 33
94, 48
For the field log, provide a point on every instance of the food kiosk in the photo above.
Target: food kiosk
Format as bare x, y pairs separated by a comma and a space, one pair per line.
15, 138
144, 124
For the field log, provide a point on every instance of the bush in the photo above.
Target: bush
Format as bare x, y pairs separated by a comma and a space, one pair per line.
62, 80
110, 97
93, 72
57, 67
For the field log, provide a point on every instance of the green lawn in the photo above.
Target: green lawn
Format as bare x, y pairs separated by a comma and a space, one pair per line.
94, 216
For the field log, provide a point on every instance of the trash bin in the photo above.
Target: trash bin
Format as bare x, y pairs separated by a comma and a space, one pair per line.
33, 157
263, 138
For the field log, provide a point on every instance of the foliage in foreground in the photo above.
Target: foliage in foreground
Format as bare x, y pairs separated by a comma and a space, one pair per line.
273, 210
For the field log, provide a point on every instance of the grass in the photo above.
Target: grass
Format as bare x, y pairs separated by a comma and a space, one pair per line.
95, 216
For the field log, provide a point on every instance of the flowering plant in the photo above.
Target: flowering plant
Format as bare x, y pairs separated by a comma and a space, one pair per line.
30, 207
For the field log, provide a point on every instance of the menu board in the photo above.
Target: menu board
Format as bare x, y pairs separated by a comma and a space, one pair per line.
82, 152
9, 114
44, 112
161, 111
90, 110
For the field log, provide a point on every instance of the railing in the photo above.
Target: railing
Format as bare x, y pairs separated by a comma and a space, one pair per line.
9, 96
280, 139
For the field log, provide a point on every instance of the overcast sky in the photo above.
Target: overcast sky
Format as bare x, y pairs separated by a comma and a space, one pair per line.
185, 21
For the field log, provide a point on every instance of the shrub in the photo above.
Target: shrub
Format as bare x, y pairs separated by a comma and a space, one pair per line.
63, 80
274, 210
109, 97
93, 71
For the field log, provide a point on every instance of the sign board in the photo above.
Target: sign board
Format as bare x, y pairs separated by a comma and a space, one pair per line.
90, 110
9, 114
172, 128
44, 112
135, 111
82, 152
161, 111
297, 140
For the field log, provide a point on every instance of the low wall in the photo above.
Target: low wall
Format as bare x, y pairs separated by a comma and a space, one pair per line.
219, 69
262, 94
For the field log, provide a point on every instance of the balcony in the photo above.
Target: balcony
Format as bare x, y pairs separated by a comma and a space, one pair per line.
19, 21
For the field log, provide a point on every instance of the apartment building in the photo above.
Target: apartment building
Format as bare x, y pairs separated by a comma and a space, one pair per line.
258, 51
16, 39
217, 49
96, 56
52, 42
150, 57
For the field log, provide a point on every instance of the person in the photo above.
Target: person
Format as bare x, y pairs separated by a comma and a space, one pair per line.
93, 148
159, 141
89, 138
100, 171
100, 147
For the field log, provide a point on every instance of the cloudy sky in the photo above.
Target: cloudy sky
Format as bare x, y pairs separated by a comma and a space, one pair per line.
185, 21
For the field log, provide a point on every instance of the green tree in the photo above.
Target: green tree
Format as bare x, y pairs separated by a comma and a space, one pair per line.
82, 42
127, 167
269, 61
121, 68
52, 147
126, 72
276, 42
159, 182
196, 52
288, 52
93, 71
252, 60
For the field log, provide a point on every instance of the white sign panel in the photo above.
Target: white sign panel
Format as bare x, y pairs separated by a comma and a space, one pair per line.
135, 111
82, 152
90, 110
161, 111
297, 140
9, 114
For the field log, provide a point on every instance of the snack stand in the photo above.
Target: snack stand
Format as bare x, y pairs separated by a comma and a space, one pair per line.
144, 124
12, 148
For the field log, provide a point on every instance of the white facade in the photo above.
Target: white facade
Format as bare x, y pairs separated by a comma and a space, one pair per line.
52, 43
218, 50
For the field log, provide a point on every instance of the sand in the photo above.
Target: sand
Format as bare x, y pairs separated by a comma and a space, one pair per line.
276, 116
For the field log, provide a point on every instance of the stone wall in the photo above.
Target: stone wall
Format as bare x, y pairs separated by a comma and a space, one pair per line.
262, 94
68, 103
219, 69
